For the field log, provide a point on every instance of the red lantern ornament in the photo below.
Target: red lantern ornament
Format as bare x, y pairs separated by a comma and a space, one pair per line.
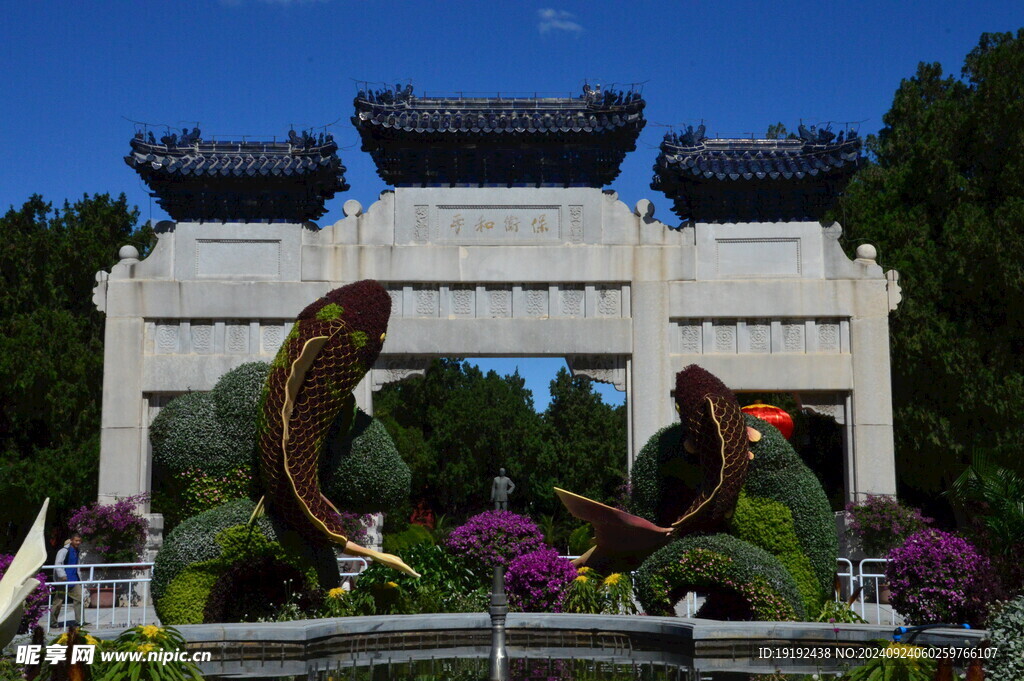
779, 418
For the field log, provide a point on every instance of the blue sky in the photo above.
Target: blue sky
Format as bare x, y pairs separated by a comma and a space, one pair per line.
73, 72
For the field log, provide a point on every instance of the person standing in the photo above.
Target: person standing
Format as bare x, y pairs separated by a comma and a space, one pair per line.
71, 590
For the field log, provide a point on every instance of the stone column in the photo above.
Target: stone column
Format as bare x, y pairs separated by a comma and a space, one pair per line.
650, 382
872, 469
124, 465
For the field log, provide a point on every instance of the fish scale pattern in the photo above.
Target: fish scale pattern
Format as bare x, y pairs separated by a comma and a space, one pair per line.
718, 433
354, 321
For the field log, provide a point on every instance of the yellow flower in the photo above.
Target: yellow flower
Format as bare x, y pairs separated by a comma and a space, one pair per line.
336, 593
584, 570
146, 647
582, 579
63, 640
150, 631
391, 585
613, 579
91, 640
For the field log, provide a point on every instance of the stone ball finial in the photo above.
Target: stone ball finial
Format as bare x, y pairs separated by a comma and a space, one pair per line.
128, 252
866, 252
352, 208
644, 208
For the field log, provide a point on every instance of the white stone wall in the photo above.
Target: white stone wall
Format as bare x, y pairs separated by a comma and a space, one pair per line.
570, 273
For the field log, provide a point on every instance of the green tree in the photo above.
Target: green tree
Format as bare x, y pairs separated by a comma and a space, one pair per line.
944, 202
51, 350
589, 438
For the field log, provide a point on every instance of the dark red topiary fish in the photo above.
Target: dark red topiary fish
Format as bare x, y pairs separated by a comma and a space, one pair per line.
334, 342
719, 437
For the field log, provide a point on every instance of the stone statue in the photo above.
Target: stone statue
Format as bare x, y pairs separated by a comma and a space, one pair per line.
500, 489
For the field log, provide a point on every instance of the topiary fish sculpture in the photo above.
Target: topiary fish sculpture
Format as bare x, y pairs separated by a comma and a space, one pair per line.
334, 342
719, 437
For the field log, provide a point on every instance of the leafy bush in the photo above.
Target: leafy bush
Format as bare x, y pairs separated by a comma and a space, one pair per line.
116, 532
537, 581
939, 577
494, 538
204, 547
590, 593
580, 540
1006, 631
743, 581
657, 474
362, 470
778, 474
839, 612
400, 542
35, 603
448, 584
254, 589
147, 639
881, 523
769, 525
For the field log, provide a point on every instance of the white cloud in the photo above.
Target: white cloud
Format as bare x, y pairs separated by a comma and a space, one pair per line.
557, 20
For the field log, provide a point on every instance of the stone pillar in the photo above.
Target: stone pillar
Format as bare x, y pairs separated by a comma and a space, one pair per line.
650, 384
872, 469
124, 465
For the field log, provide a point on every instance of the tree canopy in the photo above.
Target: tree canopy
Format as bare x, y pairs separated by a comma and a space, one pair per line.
943, 200
51, 350
456, 426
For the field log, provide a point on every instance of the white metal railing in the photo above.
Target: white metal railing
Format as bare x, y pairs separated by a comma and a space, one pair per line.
867, 581
106, 601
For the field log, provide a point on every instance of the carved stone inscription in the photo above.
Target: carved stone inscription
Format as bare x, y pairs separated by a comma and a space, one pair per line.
469, 224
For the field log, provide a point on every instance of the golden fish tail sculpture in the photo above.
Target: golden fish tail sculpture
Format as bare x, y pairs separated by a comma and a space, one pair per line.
718, 435
334, 342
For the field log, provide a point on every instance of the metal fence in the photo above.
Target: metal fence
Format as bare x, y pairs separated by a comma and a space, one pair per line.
111, 595
866, 580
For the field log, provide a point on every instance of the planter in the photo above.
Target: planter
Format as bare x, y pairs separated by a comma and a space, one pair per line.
884, 593
101, 596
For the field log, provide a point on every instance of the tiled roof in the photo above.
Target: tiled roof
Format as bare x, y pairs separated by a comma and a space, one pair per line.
227, 181
502, 141
721, 180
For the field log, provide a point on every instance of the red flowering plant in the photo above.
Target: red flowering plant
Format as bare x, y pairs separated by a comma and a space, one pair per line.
538, 581
35, 604
115, 532
882, 523
939, 577
494, 538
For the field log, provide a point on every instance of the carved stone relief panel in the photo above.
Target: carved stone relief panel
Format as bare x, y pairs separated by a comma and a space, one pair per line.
463, 302
273, 336
536, 302
499, 302
393, 368
691, 337
167, 337
601, 368
576, 224
828, 335
759, 336
427, 301
421, 230
793, 337
725, 337
571, 302
202, 337
609, 301
236, 339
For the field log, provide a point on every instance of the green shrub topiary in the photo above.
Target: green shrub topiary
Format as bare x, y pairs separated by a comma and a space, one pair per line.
202, 548
742, 580
363, 471
777, 473
236, 398
448, 584
1006, 630
769, 525
186, 434
663, 477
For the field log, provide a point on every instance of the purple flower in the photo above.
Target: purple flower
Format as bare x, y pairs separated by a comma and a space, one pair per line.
881, 522
495, 538
939, 577
537, 581
116, 531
